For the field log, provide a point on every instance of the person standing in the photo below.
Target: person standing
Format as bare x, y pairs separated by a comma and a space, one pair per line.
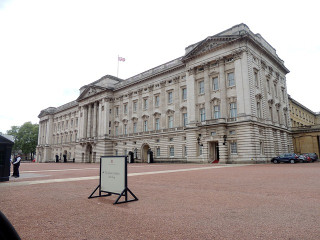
16, 165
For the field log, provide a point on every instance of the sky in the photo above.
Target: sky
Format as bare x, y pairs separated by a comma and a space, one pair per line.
49, 49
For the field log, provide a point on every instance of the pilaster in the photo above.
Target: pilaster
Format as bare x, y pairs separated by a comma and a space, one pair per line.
191, 93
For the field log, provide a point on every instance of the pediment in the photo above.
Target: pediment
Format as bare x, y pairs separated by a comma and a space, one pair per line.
209, 44
90, 91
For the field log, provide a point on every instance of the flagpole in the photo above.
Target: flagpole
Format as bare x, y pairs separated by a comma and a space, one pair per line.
118, 66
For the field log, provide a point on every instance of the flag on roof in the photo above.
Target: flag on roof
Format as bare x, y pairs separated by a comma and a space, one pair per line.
121, 59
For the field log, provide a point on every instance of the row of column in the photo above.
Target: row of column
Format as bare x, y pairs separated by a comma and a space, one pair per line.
94, 119
45, 131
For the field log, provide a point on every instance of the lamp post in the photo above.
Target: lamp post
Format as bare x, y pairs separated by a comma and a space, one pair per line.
224, 139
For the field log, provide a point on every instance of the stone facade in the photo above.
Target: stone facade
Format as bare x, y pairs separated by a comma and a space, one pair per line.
305, 128
225, 99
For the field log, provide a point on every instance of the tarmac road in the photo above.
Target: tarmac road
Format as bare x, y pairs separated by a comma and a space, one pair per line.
176, 201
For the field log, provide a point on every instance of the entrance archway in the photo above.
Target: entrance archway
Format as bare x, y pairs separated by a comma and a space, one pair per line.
214, 152
65, 156
144, 152
89, 154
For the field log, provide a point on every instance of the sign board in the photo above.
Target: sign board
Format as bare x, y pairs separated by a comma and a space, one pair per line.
113, 174
113, 179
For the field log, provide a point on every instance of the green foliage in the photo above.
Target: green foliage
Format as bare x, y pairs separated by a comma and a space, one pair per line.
26, 137
14, 132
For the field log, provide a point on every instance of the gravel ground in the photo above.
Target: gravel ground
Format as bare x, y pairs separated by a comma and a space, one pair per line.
269, 201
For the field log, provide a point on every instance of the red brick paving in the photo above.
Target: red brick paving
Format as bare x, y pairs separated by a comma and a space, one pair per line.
272, 201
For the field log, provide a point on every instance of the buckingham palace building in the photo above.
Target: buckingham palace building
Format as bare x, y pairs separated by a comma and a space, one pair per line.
225, 100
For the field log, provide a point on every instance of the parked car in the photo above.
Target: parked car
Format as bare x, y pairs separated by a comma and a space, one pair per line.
305, 157
313, 156
286, 157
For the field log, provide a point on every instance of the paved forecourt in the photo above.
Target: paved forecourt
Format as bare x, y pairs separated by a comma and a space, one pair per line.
176, 201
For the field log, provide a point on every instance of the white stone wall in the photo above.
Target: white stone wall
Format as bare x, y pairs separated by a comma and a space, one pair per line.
252, 136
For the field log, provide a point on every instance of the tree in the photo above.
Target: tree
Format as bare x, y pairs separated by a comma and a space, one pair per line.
26, 138
14, 132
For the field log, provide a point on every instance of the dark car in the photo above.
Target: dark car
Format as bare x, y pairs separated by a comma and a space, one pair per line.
286, 157
305, 157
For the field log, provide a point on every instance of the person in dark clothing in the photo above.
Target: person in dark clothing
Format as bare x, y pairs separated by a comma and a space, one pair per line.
57, 158
64, 158
16, 165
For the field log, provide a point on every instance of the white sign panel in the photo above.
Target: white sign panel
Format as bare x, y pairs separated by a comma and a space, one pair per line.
112, 174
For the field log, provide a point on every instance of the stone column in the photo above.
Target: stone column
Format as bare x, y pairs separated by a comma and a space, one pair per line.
243, 84
50, 130
191, 93
94, 131
107, 117
46, 133
223, 86
100, 130
89, 121
207, 91
85, 121
39, 133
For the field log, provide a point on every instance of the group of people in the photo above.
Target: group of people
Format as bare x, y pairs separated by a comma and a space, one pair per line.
16, 165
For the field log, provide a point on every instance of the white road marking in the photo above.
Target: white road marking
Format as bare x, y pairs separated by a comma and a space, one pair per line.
24, 183
59, 170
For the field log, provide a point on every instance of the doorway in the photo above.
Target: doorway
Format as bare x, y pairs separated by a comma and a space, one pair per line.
144, 152
89, 153
214, 152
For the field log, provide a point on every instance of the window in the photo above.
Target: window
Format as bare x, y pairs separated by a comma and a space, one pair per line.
282, 92
202, 114
117, 111
135, 106
185, 151
158, 152
145, 125
170, 99
125, 129
216, 111
231, 79
171, 151
261, 148
145, 104
125, 108
201, 87
233, 148
268, 85
157, 124
215, 84
134, 127
258, 109
116, 153
116, 130
170, 121
185, 119
278, 115
256, 79
125, 152
285, 120
233, 110
184, 94
156, 101
271, 113
200, 150
275, 90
